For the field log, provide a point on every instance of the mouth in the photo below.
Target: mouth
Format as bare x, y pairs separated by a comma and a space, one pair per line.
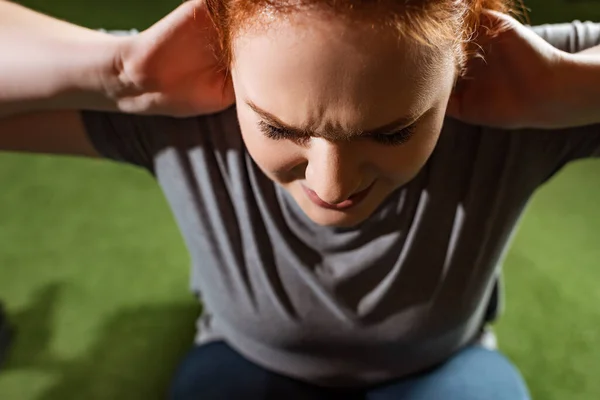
350, 202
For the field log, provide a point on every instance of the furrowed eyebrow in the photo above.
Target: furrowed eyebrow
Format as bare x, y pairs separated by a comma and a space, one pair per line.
396, 125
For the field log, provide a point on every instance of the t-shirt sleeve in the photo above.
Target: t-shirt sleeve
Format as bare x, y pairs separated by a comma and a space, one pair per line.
141, 140
573, 144
127, 138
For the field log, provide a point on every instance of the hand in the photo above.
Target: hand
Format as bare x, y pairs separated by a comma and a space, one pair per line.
508, 87
173, 68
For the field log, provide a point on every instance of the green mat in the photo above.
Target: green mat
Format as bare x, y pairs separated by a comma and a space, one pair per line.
95, 275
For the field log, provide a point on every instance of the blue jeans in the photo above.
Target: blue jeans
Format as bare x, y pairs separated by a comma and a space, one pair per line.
217, 372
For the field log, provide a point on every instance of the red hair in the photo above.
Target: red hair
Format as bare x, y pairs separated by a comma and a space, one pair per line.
433, 22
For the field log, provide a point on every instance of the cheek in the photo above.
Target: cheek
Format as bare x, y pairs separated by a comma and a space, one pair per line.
280, 160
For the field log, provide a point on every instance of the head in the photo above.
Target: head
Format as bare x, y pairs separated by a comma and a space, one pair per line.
342, 101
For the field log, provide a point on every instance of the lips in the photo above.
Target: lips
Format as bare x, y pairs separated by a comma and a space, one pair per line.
344, 205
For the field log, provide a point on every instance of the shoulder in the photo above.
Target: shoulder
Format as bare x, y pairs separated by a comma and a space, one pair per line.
139, 139
221, 130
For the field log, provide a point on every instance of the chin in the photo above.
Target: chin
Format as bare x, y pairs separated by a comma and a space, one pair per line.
347, 218
337, 219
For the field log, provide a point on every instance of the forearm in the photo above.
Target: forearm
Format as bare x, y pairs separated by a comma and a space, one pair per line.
51, 64
578, 87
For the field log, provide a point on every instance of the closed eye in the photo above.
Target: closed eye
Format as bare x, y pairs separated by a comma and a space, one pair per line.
277, 133
396, 138
389, 139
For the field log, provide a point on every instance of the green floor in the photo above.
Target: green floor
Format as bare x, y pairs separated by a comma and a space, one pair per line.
94, 272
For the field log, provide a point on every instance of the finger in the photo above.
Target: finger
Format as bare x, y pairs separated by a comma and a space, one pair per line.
494, 27
496, 22
193, 11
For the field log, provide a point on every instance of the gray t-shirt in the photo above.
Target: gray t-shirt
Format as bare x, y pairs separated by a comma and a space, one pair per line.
393, 296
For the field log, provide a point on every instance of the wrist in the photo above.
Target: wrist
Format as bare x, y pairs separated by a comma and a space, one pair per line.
116, 85
95, 78
125, 85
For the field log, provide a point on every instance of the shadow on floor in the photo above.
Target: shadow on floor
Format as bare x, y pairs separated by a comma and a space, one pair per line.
134, 357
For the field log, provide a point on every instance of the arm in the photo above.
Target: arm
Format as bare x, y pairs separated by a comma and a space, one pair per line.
50, 132
577, 79
52, 64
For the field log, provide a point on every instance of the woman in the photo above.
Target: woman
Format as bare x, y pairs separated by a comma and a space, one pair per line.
346, 235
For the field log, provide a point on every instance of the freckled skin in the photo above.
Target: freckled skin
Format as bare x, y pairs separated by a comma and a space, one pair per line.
339, 76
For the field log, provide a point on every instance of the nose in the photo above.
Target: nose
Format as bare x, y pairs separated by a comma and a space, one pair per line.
333, 170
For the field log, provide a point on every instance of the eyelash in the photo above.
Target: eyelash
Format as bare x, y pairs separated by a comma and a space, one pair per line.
275, 133
395, 139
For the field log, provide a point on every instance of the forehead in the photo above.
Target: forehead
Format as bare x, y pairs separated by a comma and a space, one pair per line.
314, 67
